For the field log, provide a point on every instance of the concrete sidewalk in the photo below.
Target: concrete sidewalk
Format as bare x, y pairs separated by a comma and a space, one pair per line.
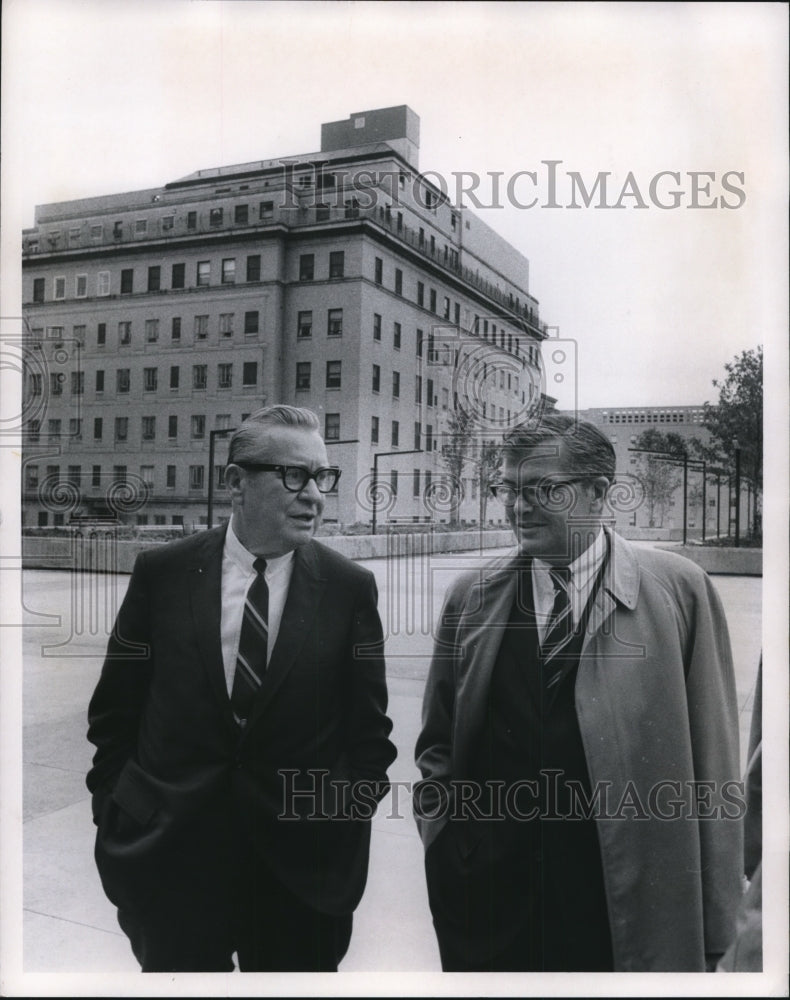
70, 927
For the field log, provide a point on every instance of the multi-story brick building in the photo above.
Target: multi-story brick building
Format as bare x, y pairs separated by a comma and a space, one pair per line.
343, 280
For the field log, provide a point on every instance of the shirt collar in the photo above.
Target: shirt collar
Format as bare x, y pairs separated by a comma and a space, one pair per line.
245, 559
586, 565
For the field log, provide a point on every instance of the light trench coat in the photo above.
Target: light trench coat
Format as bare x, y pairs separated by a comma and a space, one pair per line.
657, 710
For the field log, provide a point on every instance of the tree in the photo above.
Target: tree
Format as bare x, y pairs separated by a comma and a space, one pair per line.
487, 460
455, 446
659, 475
736, 422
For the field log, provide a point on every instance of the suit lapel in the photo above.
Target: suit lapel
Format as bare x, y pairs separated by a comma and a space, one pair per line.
298, 621
620, 585
204, 575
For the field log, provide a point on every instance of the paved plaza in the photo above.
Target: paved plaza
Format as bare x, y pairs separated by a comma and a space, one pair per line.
67, 924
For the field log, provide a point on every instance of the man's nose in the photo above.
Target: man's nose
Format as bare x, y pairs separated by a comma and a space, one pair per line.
522, 503
311, 492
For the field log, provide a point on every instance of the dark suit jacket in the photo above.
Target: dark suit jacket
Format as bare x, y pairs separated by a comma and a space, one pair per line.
172, 770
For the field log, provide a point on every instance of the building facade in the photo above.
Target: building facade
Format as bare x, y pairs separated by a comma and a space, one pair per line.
652, 496
343, 280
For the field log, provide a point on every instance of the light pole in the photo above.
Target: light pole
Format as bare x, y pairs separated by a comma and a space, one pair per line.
737, 495
376, 456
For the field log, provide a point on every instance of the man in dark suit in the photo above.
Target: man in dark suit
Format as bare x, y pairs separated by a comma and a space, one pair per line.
240, 727
580, 807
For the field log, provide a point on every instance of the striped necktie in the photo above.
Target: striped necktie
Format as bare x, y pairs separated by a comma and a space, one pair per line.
559, 630
253, 639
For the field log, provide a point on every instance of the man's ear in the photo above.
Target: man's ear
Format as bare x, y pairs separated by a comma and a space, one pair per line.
599, 488
234, 479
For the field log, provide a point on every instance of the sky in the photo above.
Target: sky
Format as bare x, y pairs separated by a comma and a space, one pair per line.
105, 96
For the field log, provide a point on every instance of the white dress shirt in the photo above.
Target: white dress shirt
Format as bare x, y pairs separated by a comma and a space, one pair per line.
238, 573
583, 573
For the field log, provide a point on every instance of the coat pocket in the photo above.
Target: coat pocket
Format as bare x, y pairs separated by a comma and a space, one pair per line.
133, 795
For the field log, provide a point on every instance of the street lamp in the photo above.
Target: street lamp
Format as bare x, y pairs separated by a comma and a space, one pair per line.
376, 456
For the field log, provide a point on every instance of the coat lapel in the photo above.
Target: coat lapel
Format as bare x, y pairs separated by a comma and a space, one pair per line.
620, 585
301, 608
204, 575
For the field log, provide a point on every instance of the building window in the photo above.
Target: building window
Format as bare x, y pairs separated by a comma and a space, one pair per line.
203, 273
150, 378
336, 264
229, 271
332, 427
77, 383
175, 372
74, 475
398, 281
175, 328
374, 430
378, 267
396, 336
75, 428
418, 390
96, 476
446, 308
170, 477
127, 281
376, 378
304, 326
396, 385
420, 294
241, 215
151, 331
266, 210
430, 400
167, 223
172, 427
98, 428
322, 213
215, 217
457, 314
254, 267
429, 439
198, 425
122, 380
417, 436
225, 375
334, 326
34, 430
303, 375
121, 428
178, 275
140, 227
201, 327
196, 474
395, 433
394, 482
333, 374
81, 286
191, 220
79, 333
125, 332
56, 384
147, 475
154, 278
249, 373
149, 428
53, 428
306, 266
97, 233
39, 285
433, 300
100, 381
199, 376
226, 324
376, 326
31, 477
60, 288
251, 321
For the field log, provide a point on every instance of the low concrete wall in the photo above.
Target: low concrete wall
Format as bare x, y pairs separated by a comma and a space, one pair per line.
100, 551
722, 561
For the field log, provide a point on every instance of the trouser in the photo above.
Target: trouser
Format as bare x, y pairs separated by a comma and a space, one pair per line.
196, 922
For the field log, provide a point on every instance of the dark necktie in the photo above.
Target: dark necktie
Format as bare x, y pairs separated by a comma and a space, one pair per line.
253, 641
559, 630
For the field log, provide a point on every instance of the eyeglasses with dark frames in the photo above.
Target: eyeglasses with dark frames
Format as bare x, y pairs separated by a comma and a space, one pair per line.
295, 478
543, 494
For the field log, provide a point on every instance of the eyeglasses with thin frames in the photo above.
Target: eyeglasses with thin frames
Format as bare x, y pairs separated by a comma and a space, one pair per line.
543, 494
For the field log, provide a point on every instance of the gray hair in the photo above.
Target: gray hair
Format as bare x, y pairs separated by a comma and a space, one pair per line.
589, 451
280, 415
